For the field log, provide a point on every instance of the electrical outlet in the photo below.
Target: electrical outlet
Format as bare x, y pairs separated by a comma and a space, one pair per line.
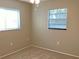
11, 43
58, 42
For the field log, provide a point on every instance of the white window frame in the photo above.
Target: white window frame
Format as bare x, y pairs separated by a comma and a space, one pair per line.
55, 20
8, 25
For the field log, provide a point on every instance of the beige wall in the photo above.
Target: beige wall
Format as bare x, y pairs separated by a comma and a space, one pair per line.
21, 37
66, 41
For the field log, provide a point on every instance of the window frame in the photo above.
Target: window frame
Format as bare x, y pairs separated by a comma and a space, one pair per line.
18, 24
57, 19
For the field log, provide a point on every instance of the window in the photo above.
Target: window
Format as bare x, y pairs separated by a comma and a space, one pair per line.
57, 19
9, 19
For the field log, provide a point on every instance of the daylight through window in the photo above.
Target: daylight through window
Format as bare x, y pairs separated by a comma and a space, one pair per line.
57, 19
9, 19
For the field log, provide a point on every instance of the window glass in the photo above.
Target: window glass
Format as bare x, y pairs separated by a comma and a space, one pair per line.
57, 18
9, 19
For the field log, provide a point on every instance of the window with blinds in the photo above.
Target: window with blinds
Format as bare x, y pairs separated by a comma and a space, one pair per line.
9, 19
57, 18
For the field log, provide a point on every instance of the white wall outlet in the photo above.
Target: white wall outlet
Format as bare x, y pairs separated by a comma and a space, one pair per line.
11, 44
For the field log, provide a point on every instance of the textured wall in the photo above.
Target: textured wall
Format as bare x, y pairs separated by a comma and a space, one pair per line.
17, 38
66, 41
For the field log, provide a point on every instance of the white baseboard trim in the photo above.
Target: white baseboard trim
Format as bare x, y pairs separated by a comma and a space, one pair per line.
55, 51
15, 51
40, 48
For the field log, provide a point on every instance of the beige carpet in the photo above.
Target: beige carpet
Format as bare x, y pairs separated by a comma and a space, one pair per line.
36, 53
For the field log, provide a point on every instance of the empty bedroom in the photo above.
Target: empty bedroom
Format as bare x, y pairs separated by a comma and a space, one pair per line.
39, 29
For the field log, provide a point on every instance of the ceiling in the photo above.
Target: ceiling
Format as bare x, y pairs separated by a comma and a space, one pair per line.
29, 0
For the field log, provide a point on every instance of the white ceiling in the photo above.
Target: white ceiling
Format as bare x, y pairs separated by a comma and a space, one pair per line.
29, 0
